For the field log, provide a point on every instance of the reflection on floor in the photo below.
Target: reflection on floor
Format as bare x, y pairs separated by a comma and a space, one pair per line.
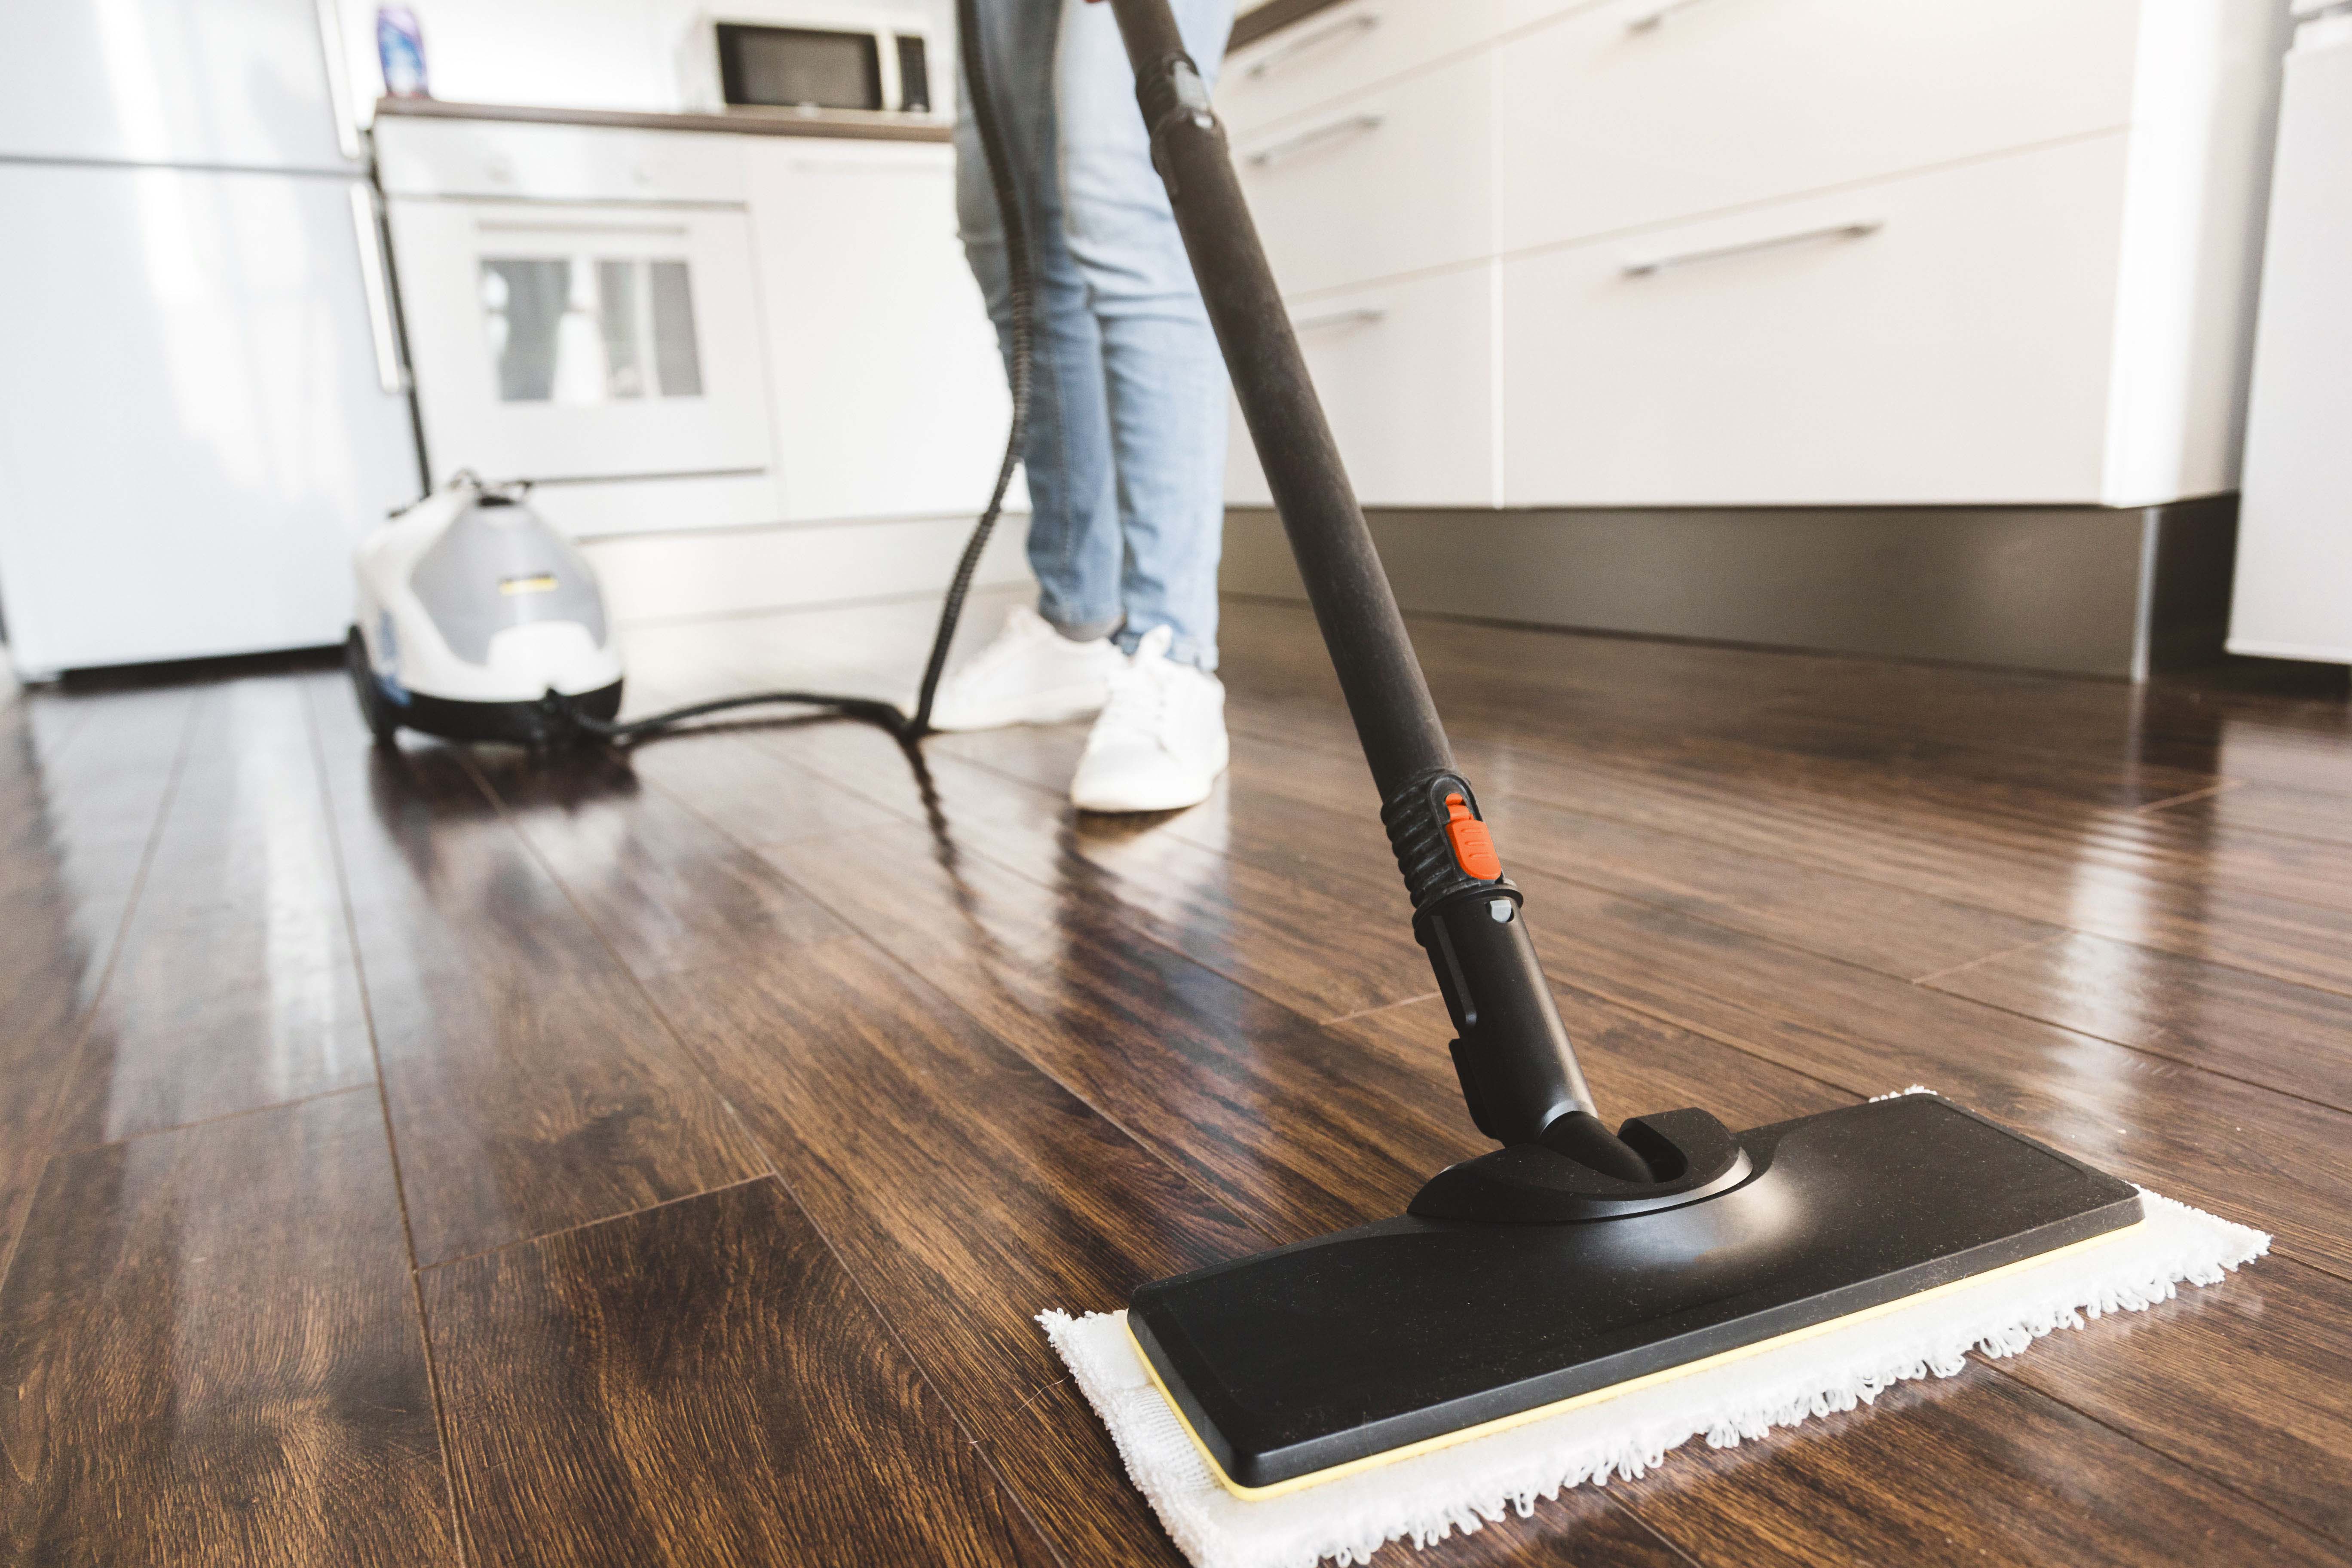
658, 1159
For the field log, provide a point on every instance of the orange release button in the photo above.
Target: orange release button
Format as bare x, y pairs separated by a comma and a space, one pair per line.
1474, 846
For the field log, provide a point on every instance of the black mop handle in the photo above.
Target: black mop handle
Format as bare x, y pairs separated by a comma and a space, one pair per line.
1519, 1071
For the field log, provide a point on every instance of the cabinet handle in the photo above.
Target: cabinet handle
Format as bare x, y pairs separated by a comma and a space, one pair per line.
1363, 22
1362, 316
1853, 229
1648, 20
390, 373
1354, 125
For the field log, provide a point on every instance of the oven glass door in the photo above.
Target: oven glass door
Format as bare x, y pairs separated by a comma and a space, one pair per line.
557, 342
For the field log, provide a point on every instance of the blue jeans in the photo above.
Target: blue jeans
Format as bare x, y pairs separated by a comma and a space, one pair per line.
1125, 455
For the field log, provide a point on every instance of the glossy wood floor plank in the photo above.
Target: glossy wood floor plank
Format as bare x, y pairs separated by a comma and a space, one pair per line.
2246, 1384
701, 1383
2061, 878
236, 986
966, 1192
84, 781
734, 785
2282, 1036
210, 1353
1893, 928
1984, 1472
666, 890
2282, 809
530, 1085
1234, 902
2183, 1132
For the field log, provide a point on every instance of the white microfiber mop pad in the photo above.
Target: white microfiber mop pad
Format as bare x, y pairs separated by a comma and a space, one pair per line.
1428, 1496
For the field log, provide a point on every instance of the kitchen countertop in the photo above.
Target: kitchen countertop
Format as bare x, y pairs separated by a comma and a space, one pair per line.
1272, 17
843, 123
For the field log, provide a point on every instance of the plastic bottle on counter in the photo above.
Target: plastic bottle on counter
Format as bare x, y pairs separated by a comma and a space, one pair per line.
400, 44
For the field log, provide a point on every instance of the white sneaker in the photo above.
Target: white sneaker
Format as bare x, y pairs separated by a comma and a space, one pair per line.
1031, 674
1161, 741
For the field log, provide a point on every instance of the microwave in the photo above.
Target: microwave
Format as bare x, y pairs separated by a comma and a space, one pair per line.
884, 69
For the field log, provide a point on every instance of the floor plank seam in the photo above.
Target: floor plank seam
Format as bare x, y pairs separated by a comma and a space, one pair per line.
2149, 809
537, 1238
1376, 1007
238, 1114
460, 1538
2150, 1051
1930, 979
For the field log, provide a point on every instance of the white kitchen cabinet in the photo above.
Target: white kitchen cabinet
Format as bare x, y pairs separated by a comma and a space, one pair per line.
1348, 47
887, 386
2044, 296
1390, 182
1405, 371
1942, 338
1601, 124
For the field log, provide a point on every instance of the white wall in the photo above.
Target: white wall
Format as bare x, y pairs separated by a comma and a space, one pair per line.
647, 55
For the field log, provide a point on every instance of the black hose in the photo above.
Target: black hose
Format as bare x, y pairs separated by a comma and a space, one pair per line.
907, 728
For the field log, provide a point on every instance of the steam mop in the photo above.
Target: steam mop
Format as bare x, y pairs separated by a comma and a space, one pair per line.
470, 611
1580, 1299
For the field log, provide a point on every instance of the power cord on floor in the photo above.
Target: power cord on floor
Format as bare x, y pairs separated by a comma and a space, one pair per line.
563, 712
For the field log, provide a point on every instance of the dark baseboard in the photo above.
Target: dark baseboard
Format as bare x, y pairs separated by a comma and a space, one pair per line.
2121, 591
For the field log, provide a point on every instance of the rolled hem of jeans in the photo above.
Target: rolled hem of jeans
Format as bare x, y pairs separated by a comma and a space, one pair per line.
1182, 650
1083, 631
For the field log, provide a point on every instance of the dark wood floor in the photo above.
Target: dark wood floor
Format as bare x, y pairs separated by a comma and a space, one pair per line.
435, 1157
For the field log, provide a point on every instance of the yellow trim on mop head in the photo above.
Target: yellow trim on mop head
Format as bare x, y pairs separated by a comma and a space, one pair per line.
1594, 1396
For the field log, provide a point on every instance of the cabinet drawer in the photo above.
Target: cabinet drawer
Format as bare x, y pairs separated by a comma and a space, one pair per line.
1346, 48
1944, 337
1392, 181
1405, 373
515, 161
1601, 124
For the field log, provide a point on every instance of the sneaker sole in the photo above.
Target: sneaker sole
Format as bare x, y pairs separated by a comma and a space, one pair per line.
1112, 803
1061, 710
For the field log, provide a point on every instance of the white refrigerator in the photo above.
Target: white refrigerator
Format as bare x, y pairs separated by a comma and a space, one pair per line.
201, 399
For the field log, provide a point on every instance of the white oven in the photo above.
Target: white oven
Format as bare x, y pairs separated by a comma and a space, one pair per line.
581, 312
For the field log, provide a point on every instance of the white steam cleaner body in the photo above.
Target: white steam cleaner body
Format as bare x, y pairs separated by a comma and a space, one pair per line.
471, 611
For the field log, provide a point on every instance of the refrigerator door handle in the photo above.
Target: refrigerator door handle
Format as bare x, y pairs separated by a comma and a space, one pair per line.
391, 374
338, 90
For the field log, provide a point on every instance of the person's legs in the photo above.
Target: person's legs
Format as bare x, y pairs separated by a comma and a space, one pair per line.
1074, 533
1165, 376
